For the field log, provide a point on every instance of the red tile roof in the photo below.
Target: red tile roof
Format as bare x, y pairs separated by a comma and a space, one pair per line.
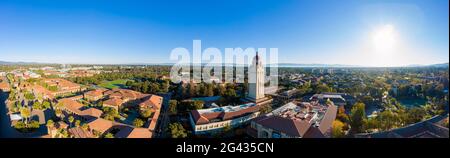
4, 86
93, 112
130, 132
152, 102
221, 115
100, 125
94, 93
288, 126
113, 102
78, 132
77, 108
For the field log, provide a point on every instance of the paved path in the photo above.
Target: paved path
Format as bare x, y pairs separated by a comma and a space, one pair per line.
164, 117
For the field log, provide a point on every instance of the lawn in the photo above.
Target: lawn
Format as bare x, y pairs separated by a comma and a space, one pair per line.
114, 84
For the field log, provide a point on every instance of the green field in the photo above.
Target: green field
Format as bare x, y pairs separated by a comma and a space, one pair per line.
114, 84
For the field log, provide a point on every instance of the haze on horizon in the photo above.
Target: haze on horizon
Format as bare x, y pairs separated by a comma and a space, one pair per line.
350, 32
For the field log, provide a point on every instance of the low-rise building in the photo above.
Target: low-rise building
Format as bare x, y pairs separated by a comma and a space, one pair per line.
339, 99
38, 90
115, 103
4, 87
100, 126
72, 107
94, 95
154, 104
130, 132
295, 120
64, 87
214, 119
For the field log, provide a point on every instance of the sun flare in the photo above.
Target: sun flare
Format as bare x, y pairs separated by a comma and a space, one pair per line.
384, 38
384, 46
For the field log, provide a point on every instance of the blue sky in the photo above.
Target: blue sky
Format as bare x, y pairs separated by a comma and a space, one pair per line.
304, 31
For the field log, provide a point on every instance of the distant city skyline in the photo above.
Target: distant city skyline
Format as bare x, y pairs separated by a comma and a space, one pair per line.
350, 32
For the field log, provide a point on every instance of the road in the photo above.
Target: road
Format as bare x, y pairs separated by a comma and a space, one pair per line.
164, 117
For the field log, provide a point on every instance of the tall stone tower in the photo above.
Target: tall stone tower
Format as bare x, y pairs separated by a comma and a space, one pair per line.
256, 79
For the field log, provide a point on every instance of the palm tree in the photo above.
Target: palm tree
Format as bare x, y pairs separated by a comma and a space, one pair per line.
50, 124
138, 122
77, 123
71, 119
25, 113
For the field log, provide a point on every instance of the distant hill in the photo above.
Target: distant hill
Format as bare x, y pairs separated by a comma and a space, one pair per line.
443, 65
18, 63
314, 65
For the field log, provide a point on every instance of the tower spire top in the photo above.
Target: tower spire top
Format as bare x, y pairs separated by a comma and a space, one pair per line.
257, 58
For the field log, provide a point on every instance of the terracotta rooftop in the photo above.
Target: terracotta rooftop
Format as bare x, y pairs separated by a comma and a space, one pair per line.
77, 108
153, 102
205, 116
114, 102
41, 90
100, 125
306, 120
286, 125
95, 93
93, 112
4, 85
78, 132
62, 83
130, 132
124, 94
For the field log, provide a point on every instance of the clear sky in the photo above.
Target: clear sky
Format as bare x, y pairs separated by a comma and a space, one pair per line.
359, 32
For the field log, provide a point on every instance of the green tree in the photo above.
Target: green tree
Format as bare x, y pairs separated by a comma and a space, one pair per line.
358, 117
198, 105
50, 124
173, 106
265, 109
29, 96
84, 126
221, 90
25, 112
146, 113
341, 115
322, 88
71, 119
77, 123
109, 135
138, 122
388, 120
46, 104
177, 130
37, 105
337, 130
192, 90
210, 90
415, 115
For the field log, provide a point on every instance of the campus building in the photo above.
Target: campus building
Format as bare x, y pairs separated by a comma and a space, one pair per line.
295, 120
215, 119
